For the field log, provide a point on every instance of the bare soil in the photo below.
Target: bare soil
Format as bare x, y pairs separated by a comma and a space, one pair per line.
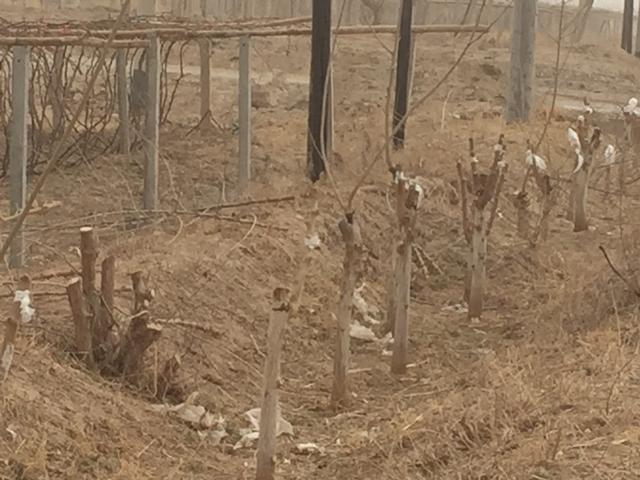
544, 387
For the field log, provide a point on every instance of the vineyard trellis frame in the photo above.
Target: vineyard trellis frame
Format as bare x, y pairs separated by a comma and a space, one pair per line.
50, 48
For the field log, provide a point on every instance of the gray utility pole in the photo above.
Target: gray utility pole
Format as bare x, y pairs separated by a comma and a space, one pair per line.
522, 71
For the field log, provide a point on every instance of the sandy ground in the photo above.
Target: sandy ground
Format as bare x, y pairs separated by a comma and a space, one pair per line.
544, 387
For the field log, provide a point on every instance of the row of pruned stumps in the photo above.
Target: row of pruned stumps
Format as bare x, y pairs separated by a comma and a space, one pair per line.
106, 338
480, 192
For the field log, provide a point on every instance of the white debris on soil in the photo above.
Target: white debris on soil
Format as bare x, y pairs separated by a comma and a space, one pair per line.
26, 309
309, 448
210, 426
361, 332
250, 435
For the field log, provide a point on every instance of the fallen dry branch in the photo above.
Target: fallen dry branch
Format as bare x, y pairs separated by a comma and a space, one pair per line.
46, 207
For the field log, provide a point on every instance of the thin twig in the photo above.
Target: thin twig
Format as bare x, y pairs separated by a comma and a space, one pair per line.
617, 272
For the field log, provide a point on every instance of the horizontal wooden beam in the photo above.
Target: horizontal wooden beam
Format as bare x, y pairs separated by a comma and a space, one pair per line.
136, 38
60, 41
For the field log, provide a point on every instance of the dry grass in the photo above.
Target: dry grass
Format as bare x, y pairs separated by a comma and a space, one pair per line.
544, 387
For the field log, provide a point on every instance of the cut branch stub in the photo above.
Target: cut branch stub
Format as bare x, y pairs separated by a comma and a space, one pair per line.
167, 379
81, 321
103, 319
142, 333
353, 249
89, 255
141, 294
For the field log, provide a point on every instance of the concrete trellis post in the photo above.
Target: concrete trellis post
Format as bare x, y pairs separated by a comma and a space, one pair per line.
205, 78
18, 145
244, 111
152, 122
57, 94
123, 102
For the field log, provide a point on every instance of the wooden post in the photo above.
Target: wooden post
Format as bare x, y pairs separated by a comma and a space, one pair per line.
318, 109
89, 254
8, 344
522, 74
403, 69
353, 246
123, 101
205, 78
244, 111
57, 91
150, 200
80, 320
269, 410
18, 146
411, 195
627, 26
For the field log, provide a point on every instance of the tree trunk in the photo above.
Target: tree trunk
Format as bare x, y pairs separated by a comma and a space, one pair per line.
269, 410
521, 202
140, 336
390, 323
477, 260
402, 291
89, 254
103, 320
522, 72
547, 206
319, 110
403, 71
627, 26
570, 213
351, 235
81, 321
580, 223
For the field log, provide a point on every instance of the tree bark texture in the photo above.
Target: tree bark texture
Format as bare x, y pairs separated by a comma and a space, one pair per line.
269, 410
522, 72
319, 131
353, 245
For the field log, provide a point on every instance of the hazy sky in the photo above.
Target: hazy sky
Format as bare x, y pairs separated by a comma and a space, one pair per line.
608, 4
